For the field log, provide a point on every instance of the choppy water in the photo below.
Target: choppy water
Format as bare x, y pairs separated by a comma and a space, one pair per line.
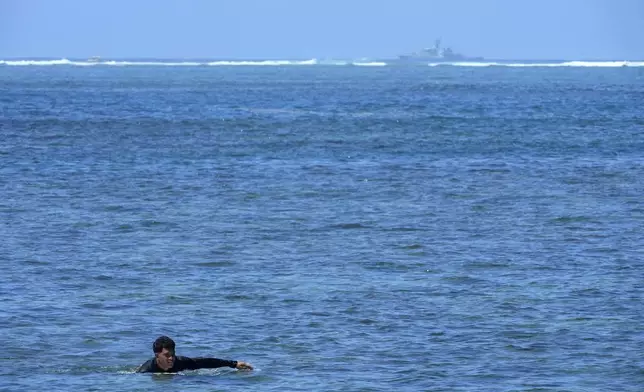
340, 228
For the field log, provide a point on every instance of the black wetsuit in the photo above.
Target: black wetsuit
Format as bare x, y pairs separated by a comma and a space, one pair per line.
185, 363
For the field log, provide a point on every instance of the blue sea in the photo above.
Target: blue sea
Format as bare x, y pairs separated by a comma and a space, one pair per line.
340, 226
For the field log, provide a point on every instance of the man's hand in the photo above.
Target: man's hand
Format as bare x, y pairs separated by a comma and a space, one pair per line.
243, 366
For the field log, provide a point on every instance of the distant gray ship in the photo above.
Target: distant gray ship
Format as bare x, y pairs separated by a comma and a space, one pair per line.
437, 53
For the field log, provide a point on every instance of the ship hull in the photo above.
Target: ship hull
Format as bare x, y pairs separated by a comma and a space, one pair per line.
436, 54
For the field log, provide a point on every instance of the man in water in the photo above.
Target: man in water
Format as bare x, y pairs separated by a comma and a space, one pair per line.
165, 361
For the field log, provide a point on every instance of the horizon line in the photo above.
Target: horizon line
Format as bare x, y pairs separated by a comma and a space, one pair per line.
362, 58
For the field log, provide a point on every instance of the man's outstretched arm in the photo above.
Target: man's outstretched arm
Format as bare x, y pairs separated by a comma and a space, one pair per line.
212, 363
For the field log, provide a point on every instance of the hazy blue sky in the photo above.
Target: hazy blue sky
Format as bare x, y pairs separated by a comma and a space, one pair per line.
519, 29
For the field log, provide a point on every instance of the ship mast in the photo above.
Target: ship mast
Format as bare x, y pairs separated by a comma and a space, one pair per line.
437, 44
437, 47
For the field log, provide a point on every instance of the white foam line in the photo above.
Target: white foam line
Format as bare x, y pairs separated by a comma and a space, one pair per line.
595, 64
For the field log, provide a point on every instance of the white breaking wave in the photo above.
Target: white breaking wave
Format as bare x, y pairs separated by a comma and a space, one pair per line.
359, 63
265, 62
147, 63
156, 63
223, 63
612, 64
44, 62
370, 64
190, 63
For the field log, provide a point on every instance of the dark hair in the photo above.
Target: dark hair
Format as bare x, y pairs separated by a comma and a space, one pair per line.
161, 343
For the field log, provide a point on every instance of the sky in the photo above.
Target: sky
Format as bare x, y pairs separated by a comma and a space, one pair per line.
305, 29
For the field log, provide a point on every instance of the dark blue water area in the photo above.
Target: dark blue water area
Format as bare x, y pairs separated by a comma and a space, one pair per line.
340, 228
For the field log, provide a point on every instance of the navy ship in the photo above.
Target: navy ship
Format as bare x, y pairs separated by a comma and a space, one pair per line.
437, 53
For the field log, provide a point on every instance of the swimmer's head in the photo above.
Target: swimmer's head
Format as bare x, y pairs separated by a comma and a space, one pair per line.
163, 349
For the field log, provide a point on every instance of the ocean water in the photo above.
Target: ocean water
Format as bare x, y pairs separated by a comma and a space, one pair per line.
341, 228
